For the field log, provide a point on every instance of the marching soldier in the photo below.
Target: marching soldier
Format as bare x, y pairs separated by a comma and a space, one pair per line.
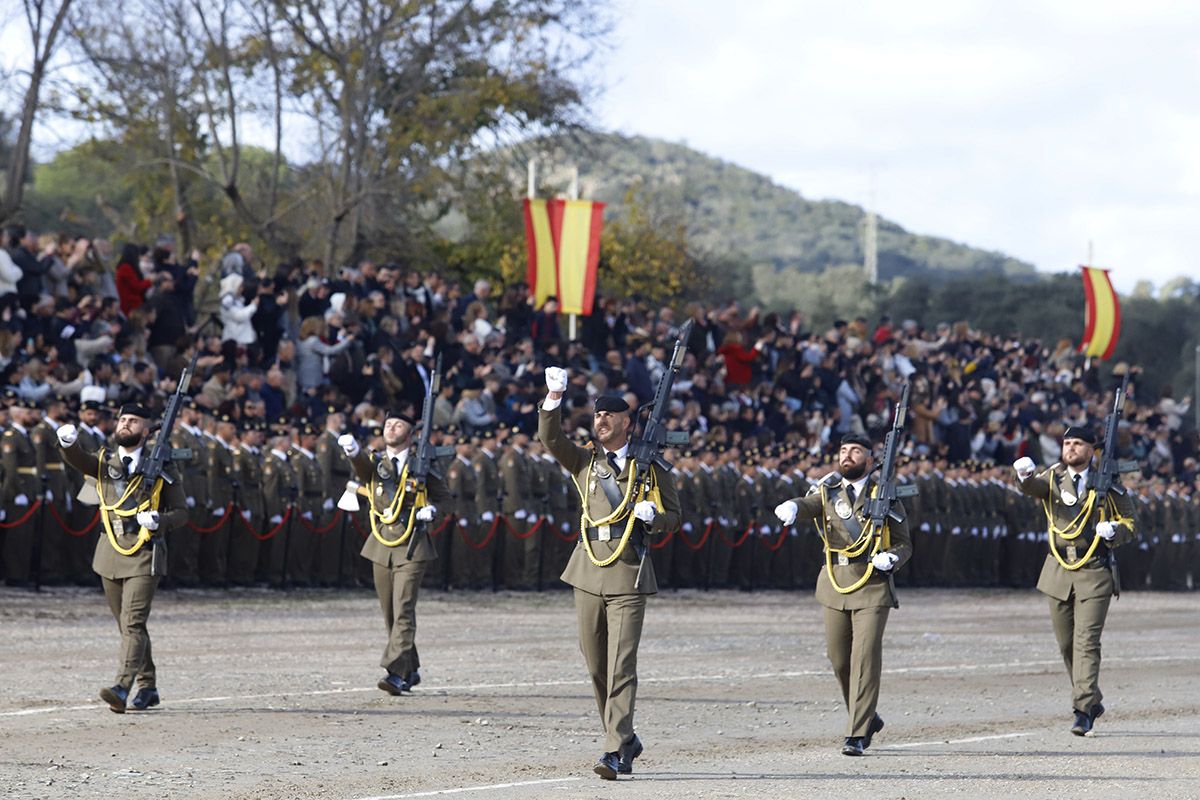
397, 513
853, 587
131, 551
1076, 574
604, 569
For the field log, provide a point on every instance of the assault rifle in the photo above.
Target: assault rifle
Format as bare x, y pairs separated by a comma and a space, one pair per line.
646, 450
1106, 476
424, 463
883, 505
154, 466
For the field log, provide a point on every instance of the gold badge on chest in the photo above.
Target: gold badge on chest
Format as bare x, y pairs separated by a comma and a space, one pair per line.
842, 508
115, 472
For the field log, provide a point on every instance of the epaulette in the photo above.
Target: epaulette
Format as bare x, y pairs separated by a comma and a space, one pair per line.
832, 479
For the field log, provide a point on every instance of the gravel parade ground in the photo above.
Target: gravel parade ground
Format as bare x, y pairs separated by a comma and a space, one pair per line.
271, 696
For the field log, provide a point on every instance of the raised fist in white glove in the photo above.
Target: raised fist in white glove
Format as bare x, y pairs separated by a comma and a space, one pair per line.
1106, 530
1024, 467
787, 512
148, 520
556, 379
67, 434
884, 561
348, 444
425, 513
645, 511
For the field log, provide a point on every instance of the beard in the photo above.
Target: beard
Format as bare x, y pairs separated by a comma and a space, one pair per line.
128, 439
854, 472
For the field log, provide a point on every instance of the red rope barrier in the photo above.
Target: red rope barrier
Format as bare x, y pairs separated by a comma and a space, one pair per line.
659, 542
358, 526
708, 529
62, 523
436, 531
220, 522
512, 531
739, 542
322, 531
271, 534
36, 505
570, 536
783, 533
486, 539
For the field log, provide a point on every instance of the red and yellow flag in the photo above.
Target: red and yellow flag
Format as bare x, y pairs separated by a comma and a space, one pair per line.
1102, 318
563, 242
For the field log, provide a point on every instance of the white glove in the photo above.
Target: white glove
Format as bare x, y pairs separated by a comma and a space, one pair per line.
566, 526
328, 504
884, 561
787, 512
764, 530
708, 520
1024, 467
307, 515
487, 516
520, 514
462, 522
148, 520
556, 379
1106, 530
687, 526
218, 511
275, 520
645, 511
348, 444
49, 496
67, 434
246, 515
425, 513
191, 502
21, 500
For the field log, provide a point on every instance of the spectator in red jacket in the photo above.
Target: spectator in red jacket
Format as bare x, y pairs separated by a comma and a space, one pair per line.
131, 284
738, 360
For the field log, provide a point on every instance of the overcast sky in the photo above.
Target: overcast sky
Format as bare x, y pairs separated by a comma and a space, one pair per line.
1025, 127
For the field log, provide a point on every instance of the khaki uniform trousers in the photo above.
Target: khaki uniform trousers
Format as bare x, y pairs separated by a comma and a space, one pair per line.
610, 629
130, 599
1077, 627
397, 589
854, 643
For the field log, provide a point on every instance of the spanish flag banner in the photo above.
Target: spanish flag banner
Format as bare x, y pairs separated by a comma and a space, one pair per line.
563, 243
1102, 318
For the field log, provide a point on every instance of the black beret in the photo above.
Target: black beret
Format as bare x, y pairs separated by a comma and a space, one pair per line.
859, 439
91, 405
1085, 435
393, 414
134, 410
612, 404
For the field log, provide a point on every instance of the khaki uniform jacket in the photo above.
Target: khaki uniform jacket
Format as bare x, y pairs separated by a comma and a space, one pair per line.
515, 483
1093, 579
195, 476
379, 476
619, 577
335, 468
279, 485
20, 469
220, 474
172, 509
487, 482
875, 592
49, 462
460, 485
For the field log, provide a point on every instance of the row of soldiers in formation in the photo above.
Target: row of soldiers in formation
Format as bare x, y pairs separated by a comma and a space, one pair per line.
511, 517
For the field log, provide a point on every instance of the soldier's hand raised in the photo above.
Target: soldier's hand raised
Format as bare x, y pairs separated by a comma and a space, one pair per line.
556, 379
1024, 467
787, 512
348, 444
67, 434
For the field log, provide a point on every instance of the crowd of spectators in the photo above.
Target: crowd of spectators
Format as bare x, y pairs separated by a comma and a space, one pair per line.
301, 337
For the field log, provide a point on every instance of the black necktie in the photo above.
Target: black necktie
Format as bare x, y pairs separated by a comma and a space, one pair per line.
1075, 481
612, 460
850, 495
126, 460
396, 466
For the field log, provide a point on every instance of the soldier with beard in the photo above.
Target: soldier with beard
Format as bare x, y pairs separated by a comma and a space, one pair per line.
853, 586
131, 551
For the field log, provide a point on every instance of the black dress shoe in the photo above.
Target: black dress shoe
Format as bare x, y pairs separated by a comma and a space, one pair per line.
1083, 724
875, 727
853, 746
115, 696
628, 752
1097, 712
413, 678
144, 699
393, 684
607, 766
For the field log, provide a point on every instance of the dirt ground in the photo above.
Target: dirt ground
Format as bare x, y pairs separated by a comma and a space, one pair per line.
272, 695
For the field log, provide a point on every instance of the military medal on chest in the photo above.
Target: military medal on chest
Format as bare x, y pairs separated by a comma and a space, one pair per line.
1069, 497
842, 508
115, 472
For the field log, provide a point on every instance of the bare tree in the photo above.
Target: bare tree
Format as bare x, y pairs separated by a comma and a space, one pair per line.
45, 21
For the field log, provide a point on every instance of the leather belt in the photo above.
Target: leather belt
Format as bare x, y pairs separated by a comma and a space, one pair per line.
613, 533
33, 470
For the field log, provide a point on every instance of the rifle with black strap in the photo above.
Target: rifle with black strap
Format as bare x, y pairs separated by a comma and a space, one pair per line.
1106, 478
882, 506
424, 463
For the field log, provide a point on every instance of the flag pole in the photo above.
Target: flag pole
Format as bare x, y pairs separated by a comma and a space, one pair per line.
573, 194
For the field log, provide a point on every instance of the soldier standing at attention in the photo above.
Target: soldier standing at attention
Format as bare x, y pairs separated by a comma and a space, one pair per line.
131, 553
853, 586
603, 570
1076, 575
395, 510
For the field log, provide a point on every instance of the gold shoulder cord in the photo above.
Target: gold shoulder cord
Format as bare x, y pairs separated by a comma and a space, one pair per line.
392, 513
105, 510
621, 512
882, 542
1073, 529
